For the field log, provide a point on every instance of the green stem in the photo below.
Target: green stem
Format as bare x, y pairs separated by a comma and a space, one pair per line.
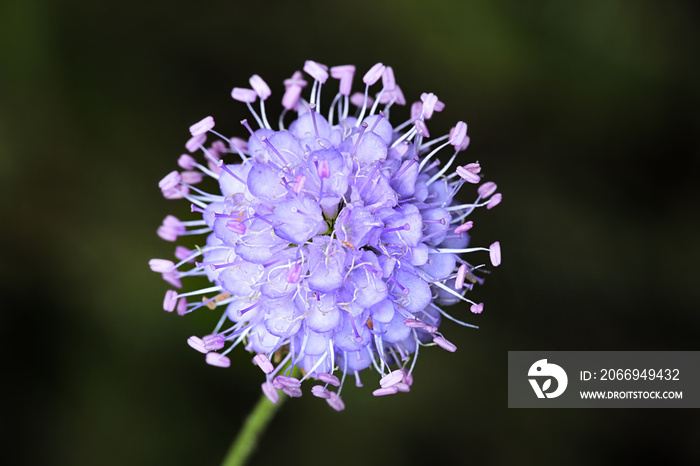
244, 445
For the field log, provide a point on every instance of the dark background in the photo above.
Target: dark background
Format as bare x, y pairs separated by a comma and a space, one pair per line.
585, 113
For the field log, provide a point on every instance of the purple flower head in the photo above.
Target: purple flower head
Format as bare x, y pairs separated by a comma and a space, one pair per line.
331, 245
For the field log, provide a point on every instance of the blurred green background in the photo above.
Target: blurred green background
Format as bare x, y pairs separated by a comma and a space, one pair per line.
584, 113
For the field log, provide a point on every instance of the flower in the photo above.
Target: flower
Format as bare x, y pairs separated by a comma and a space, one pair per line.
332, 244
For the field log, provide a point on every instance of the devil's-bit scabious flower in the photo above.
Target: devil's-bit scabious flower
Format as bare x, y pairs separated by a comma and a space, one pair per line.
332, 244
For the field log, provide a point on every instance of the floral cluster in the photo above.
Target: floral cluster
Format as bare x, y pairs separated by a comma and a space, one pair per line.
331, 244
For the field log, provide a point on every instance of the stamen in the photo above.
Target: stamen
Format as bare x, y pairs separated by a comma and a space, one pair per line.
495, 253
320, 391
328, 378
161, 265
494, 201
448, 316
414, 323
443, 343
335, 402
197, 343
202, 126
345, 74
468, 175
294, 273
373, 75
270, 392
195, 142
392, 378
477, 308
299, 184
458, 134
324, 170
265, 365
293, 87
316, 70
218, 360
236, 226
464, 227
312, 109
244, 95
461, 273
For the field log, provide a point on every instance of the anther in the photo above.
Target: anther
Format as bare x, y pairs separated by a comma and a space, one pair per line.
458, 133
293, 87
388, 80
294, 273
473, 167
466, 226
191, 177
299, 184
373, 75
186, 161
161, 265
391, 378
415, 323
335, 402
287, 381
169, 181
345, 74
494, 201
316, 70
320, 391
468, 175
263, 363
495, 253
445, 344
270, 392
358, 98
422, 128
218, 360
213, 342
197, 343
195, 142
244, 95
328, 378
429, 101
236, 226
461, 274
487, 189
260, 87
324, 170
202, 126
386, 391
170, 300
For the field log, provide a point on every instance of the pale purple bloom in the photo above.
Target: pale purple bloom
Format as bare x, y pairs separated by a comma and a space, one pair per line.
332, 244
